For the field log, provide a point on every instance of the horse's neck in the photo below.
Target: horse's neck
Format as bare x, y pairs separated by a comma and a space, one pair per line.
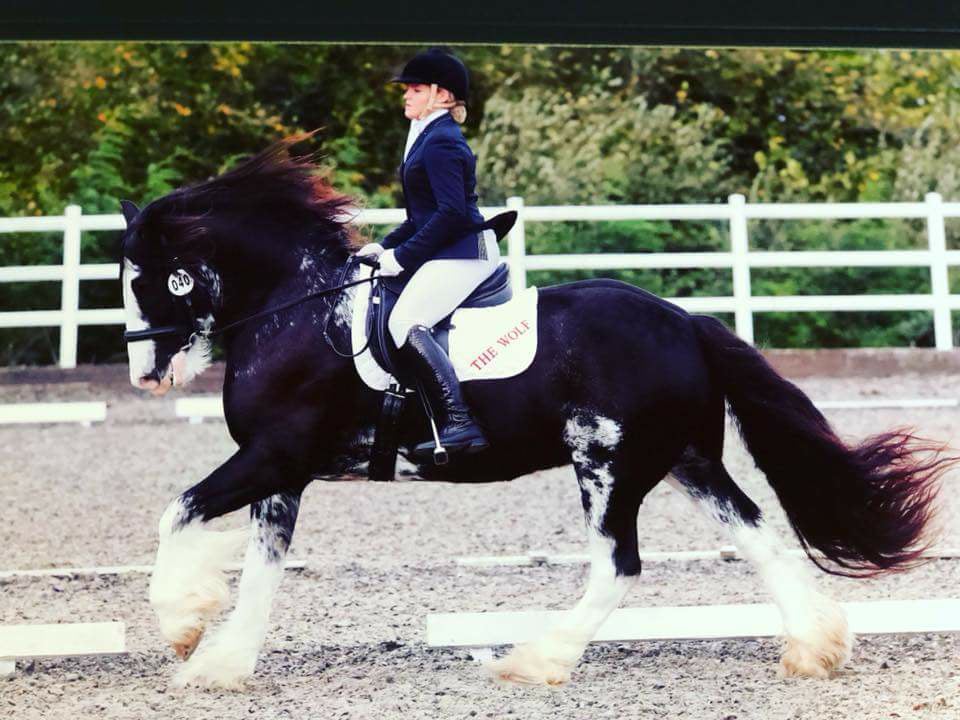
270, 359
249, 286
249, 297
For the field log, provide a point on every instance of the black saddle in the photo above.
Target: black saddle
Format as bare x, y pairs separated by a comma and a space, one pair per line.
495, 290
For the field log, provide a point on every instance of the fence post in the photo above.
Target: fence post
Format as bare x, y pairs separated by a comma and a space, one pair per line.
70, 288
517, 247
939, 275
740, 247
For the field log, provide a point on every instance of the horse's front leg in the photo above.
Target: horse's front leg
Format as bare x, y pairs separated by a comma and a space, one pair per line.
227, 657
188, 587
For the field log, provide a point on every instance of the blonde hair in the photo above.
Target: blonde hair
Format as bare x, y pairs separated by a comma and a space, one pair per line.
457, 108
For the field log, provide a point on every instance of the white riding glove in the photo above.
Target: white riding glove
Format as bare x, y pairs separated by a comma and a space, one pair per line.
375, 249
389, 267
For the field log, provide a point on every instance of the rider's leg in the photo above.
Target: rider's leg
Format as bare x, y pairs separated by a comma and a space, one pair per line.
433, 370
437, 288
434, 291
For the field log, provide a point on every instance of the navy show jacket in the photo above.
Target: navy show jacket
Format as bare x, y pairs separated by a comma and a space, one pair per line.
439, 191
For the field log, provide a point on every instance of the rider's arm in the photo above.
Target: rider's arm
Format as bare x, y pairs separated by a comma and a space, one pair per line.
443, 161
399, 234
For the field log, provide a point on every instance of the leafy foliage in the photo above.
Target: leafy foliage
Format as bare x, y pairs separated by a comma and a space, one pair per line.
91, 123
598, 147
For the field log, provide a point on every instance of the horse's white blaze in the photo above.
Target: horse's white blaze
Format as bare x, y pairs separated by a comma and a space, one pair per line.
188, 587
817, 637
228, 657
142, 355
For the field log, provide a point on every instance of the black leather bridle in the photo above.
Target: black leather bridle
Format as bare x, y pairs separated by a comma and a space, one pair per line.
192, 328
500, 224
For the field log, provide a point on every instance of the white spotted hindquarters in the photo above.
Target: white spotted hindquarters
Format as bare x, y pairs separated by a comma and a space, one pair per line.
594, 442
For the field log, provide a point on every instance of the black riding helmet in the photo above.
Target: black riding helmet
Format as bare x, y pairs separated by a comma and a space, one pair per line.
439, 66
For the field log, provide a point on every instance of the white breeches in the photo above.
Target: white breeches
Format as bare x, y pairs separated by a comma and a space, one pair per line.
438, 288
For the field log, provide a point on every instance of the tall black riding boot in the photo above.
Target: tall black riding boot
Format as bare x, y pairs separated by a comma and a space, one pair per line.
427, 360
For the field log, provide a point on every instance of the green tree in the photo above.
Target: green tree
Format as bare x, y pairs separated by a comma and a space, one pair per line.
90, 123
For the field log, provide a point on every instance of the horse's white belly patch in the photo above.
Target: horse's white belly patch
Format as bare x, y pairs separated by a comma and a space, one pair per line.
485, 343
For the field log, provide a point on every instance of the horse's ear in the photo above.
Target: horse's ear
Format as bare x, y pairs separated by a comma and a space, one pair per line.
129, 210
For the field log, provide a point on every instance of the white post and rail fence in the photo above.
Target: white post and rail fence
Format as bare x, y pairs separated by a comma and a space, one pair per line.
739, 259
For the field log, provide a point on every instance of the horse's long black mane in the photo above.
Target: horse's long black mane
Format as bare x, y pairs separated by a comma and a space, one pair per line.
289, 192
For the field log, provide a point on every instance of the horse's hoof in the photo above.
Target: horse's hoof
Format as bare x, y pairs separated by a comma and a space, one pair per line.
801, 659
188, 643
217, 665
821, 649
525, 666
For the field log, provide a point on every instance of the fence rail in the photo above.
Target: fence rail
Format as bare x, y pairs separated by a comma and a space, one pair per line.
739, 259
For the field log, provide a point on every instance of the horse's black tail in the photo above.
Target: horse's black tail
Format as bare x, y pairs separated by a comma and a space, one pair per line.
865, 507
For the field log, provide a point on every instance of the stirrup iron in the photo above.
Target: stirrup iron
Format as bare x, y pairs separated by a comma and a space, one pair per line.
440, 456
439, 453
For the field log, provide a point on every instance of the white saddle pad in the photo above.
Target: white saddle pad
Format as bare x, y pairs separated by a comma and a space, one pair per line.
485, 343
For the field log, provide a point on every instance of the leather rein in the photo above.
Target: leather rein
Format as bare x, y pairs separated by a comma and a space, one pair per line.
194, 329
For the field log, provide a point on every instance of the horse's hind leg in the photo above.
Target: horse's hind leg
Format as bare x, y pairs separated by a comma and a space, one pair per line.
817, 639
227, 658
611, 498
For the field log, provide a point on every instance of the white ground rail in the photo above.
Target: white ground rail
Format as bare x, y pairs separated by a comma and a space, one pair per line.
887, 403
53, 412
196, 409
701, 622
65, 572
26, 642
736, 213
727, 552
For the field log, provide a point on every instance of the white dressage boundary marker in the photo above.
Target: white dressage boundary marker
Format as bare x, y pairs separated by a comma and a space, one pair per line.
53, 412
727, 552
211, 406
541, 557
198, 408
886, 403
23, 642
117, 570
700, 622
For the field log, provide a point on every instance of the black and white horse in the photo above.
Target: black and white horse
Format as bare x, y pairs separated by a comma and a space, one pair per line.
626, 386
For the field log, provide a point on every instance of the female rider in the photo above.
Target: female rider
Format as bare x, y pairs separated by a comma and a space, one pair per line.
441, 246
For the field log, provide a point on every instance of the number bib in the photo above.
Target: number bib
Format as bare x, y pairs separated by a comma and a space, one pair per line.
180, 283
